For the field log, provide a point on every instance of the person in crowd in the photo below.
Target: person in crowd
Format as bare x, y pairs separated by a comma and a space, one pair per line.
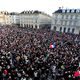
25, 54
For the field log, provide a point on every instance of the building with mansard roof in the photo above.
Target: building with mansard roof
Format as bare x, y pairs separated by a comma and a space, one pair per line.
66, 20
4, 18
32, 19
35, 19
14, 18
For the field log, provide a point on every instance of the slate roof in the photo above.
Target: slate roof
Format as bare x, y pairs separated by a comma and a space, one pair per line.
67, 11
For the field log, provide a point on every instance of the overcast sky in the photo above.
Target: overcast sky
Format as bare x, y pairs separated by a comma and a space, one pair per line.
48, 6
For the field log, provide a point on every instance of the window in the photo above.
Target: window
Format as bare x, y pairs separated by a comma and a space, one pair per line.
27, 25
60, 29
36, 21
63, 23
72, 10
32, 26
76, 17
71, 16
64, 30
77, 11
67, 23
63, 10
72, 23
79, 32
24, 25
68, 10
66, 16
62, 16
68, 30
54, 28
55, 21
73, 30
36, 26
56, 16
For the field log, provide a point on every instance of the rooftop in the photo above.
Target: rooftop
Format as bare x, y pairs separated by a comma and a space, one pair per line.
67, 11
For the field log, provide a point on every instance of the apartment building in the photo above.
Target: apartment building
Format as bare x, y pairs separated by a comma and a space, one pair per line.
34, 19
14, 18
4, 18
66, 20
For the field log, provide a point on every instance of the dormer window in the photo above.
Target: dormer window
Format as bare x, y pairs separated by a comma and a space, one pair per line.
77, 11
72, 10
68, 10
63, 11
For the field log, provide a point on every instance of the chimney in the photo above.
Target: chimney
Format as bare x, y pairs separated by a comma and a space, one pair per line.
59, 7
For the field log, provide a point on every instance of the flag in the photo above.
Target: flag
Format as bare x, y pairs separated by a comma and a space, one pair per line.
52, 45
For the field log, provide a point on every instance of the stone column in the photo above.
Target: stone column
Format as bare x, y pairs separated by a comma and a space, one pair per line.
51, 27
23, 25
33, 25
37, 26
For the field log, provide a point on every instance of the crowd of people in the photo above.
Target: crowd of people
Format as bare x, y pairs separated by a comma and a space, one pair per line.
25, 54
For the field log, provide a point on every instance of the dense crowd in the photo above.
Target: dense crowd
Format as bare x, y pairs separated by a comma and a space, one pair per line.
25, 54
